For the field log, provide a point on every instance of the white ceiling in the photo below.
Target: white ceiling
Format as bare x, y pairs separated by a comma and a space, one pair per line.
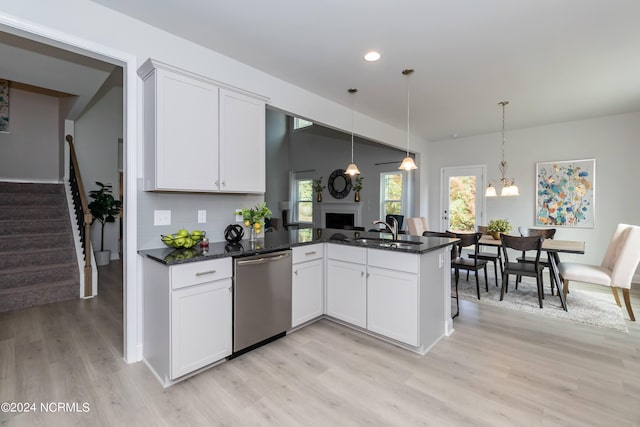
554, 60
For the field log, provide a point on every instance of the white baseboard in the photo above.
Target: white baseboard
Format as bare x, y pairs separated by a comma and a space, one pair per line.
32, 181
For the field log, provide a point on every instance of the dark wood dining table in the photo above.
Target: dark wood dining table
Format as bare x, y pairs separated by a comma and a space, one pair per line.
553, 247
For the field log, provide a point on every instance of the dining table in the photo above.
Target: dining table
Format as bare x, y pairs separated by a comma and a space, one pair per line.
553, 247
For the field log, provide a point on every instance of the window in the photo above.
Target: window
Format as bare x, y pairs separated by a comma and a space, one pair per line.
392, 192
299, 123
303, 202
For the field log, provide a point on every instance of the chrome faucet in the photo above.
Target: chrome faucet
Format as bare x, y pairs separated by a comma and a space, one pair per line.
393, 229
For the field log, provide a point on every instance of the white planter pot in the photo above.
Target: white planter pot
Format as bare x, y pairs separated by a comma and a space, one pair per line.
102, 257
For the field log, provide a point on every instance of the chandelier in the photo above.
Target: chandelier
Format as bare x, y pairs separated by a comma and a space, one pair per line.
509, 188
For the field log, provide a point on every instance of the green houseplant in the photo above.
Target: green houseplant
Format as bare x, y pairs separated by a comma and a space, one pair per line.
497, 226
104, 208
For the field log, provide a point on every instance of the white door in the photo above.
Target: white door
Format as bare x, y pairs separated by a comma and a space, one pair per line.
347, 292
462, 197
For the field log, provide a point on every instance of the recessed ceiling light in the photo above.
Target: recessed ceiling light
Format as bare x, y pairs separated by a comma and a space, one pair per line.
372, 56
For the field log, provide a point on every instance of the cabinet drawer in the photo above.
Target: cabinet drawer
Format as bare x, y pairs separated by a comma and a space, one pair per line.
347, 253
307, 253
200, 272
392, 260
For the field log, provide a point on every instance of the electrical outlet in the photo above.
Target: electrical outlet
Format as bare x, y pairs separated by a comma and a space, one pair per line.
202, 216
161, 217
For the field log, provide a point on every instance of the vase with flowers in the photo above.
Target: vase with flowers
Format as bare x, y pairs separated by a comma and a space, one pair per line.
254, 219
318, 187
357, 186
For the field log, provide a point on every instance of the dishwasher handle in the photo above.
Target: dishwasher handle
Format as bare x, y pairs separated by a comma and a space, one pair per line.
264, 259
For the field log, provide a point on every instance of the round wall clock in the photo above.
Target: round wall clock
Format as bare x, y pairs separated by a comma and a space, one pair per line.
339, 184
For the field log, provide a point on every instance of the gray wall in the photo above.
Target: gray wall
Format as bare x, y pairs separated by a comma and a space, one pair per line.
277, 158
612, 141
322, 150
30, 152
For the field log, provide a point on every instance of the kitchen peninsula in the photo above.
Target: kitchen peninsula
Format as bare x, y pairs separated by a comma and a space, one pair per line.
396, 290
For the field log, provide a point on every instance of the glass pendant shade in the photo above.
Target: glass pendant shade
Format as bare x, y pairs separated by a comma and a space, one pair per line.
408, 164
490, 191
352, 169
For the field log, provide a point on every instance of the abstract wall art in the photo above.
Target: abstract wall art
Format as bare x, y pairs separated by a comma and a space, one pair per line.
565, 195
4, 106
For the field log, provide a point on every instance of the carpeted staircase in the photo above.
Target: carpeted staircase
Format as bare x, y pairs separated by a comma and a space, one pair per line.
37, 254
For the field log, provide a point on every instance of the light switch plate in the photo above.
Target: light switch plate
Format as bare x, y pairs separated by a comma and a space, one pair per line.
161, 217
202, 216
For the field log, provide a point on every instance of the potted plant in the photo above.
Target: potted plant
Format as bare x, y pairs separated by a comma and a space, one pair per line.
357, 186
105, 208
497, 226
318, 187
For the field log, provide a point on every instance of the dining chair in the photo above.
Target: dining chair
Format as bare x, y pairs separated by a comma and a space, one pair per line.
489, 256
616, 270
547, 233
474, 263
454, 254
531, 244
417, 225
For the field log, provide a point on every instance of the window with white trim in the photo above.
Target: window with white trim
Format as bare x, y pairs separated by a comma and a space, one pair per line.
303, 201
299, 123
392, 193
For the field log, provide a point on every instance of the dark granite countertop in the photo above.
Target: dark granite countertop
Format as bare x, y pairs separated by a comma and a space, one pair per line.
280, 240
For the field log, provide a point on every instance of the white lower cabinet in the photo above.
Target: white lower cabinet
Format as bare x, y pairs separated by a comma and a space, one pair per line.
392, 304
187, 316
347, 284
307, 291
201, 329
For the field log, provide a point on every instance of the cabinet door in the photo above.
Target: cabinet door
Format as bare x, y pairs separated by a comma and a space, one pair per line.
186, 133
392, 304
307, 291
347, 292
201, 329
242, 143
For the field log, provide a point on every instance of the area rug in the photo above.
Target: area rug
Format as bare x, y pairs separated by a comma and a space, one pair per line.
589, 308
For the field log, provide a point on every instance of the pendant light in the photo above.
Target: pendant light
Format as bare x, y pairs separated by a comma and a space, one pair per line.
509, 188
352, 169
408, 163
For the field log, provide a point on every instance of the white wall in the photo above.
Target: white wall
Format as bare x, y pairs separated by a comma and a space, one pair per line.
612, 141
96, 143
31, 151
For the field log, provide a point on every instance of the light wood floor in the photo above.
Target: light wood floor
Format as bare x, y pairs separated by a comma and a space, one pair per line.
499, 368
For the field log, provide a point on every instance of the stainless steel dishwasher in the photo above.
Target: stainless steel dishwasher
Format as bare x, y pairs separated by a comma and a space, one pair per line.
261, 299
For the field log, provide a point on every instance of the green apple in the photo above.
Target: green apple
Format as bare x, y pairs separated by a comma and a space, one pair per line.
183, 233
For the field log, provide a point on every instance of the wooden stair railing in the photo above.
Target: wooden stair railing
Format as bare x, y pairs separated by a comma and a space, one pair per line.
83, 215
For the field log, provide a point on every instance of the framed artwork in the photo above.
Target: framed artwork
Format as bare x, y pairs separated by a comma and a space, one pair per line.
4, 106
565, 195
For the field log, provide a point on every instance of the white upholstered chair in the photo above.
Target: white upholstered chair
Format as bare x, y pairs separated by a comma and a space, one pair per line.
617, 268
417, 225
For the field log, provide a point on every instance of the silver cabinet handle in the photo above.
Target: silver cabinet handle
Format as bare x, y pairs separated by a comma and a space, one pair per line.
202, 273
361, 273
310, 253
217, 182
295, 272
224, 183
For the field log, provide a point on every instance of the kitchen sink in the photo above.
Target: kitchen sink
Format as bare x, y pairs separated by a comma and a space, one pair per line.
388, 243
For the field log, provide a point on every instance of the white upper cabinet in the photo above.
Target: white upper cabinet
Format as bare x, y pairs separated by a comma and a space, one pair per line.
199, 134
242, 143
